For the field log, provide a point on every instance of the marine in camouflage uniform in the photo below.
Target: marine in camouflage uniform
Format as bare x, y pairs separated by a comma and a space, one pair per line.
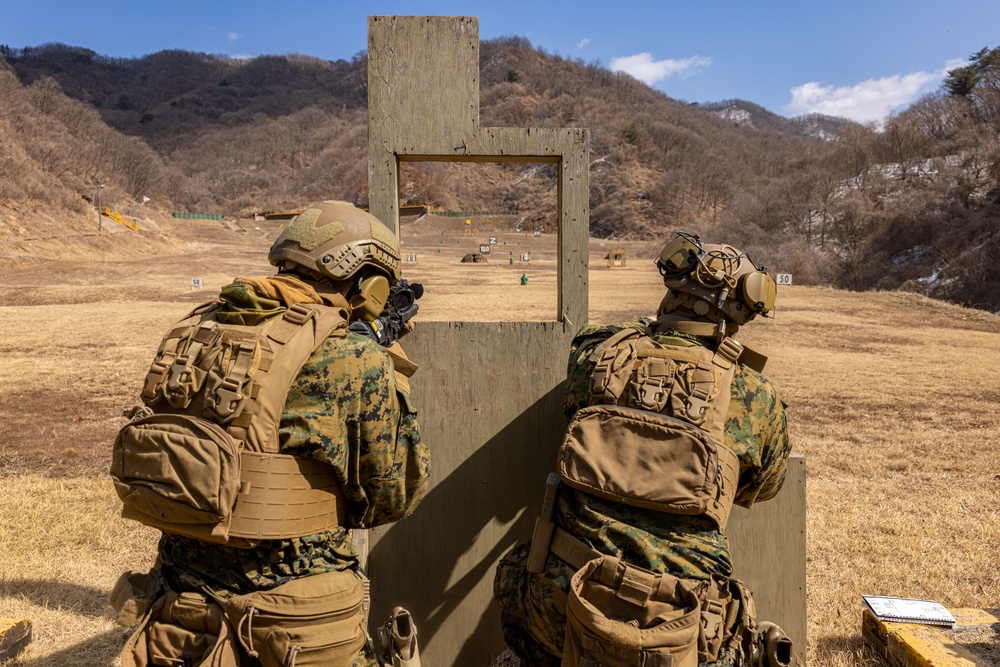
348, 407
533, 606
345, 408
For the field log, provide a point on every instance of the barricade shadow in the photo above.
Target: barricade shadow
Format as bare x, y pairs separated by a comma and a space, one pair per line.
85, 600
99, 651
500, 484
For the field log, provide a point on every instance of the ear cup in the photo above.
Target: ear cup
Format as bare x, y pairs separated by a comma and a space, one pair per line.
370, 298
758, 291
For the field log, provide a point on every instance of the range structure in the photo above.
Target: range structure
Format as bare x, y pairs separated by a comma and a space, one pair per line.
490, 393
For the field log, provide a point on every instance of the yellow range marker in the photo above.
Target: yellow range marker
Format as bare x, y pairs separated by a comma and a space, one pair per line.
914, 645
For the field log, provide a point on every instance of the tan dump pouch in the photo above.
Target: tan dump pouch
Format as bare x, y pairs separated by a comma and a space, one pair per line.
178, 473
182, 629
619, 615
133, 595
309, 622
648, 460
285, 495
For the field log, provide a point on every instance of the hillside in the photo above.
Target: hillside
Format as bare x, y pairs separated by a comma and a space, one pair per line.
910, 204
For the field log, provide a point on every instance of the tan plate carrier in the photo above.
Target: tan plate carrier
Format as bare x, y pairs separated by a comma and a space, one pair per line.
205, 464
653, 434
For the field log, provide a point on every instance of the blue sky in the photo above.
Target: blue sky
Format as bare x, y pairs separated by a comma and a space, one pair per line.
859, 59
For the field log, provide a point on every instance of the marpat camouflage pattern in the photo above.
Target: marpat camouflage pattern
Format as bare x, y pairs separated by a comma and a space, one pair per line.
533, 606
347, 409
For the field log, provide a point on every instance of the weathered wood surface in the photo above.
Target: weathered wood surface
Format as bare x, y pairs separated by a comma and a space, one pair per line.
973, 642
768, 543
490, 394
423, 105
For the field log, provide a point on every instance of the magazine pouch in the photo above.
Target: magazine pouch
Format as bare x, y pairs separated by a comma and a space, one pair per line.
313, 621
182, 629
619, 615
178, 473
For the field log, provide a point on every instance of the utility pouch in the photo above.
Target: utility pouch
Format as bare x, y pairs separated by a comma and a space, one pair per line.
133, 595
309, 622
178, 473
619, 615
671, 466
182, 629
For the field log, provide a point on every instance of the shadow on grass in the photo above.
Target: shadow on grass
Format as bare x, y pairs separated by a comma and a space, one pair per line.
85, 600
99, 651
844, 650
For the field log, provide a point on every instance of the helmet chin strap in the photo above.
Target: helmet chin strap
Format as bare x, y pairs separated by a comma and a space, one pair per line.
673, 315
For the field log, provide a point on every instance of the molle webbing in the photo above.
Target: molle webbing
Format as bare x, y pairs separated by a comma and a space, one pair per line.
301, 329
679, 399
238, 377
285, 496
247, 393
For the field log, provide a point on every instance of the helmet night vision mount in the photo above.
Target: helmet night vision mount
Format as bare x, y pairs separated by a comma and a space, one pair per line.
715, 281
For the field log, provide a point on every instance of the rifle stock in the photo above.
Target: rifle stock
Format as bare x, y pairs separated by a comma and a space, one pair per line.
771, 646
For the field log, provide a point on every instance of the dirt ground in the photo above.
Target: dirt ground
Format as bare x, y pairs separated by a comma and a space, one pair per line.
892, 399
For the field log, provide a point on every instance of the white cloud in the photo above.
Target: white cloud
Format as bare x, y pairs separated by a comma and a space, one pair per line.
583, 42
233, 36
643, 67
870, 100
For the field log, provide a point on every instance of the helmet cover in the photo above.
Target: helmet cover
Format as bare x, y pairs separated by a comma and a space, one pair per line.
337, 240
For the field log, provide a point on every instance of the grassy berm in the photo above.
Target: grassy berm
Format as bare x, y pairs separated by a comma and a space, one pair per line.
892, 399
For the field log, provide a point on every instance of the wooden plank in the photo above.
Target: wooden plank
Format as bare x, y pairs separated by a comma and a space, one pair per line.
15, 634
915, 645
423, 105
490, 396
768, 543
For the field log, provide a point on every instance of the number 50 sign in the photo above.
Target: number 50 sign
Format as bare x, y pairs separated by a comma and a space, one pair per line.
783, 278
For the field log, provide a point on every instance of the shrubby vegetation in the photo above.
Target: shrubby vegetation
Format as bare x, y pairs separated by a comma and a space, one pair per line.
911, 203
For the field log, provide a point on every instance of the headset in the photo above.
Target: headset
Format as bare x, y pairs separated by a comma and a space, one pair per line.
370, 293
718, 274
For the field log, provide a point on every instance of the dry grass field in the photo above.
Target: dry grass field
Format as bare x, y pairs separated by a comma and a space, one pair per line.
892, 399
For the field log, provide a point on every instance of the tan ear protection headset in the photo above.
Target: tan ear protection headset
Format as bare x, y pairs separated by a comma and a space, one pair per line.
369, 296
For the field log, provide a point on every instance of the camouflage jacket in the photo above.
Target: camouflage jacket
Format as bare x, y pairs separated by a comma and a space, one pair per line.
346, 408
689, 547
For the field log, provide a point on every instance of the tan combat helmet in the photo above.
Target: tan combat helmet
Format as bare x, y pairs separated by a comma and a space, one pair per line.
336, 239
714, 281
341, 242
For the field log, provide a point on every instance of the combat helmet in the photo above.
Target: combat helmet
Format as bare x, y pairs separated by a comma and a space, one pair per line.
714, 281
341, 242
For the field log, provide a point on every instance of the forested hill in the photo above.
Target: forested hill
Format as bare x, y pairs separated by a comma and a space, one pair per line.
911, 203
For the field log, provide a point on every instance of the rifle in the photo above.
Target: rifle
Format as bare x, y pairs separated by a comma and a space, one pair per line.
398, 637
771, 646
399, 309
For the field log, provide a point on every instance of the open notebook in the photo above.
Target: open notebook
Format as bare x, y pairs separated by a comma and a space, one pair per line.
908, 610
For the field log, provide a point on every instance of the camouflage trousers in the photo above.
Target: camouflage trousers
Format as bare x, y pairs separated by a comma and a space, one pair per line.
533, 610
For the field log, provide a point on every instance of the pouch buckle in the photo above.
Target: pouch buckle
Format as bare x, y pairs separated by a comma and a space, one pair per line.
228, 395
653, 394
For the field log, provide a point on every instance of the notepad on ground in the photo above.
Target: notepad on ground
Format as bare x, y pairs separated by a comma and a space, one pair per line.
908, 610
